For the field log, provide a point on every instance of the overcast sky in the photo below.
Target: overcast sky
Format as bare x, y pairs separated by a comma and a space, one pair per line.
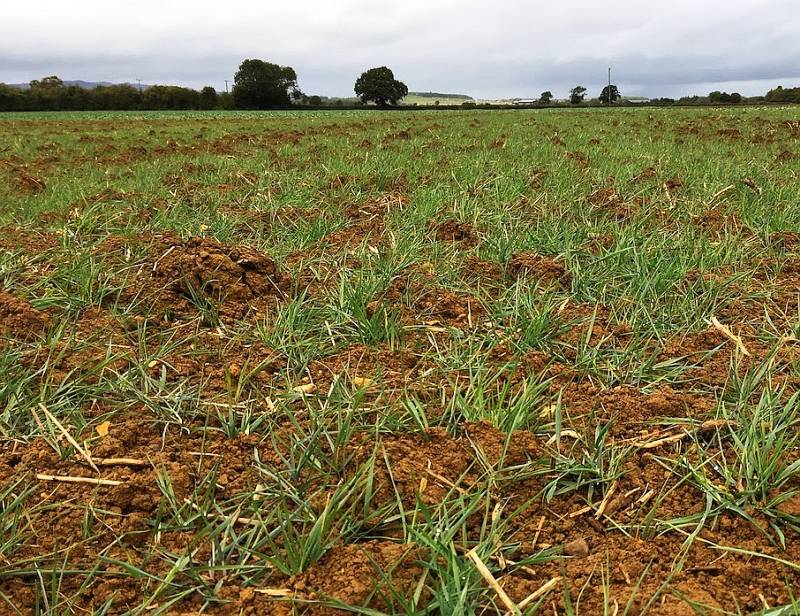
485, 48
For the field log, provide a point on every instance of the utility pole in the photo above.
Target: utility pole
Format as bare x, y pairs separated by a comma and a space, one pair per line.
609, 86
226, 86
140, 85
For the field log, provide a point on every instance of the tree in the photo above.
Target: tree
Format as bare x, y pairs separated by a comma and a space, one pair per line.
47, 83
546, 98
263, 85
614, 96
170, 97
208, 98
378, 85
577, 94
315, 100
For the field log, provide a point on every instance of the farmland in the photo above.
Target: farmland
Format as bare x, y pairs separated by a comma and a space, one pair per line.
400, 363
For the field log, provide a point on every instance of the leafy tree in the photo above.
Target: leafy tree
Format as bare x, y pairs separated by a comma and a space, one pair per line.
614, 96
315, 100
225, 101
736, 98
170, 97
263, 85
378, 85
783, 95
208, 98
715, 96
11, 99
47, 83
577, 94
123, 96
546, 98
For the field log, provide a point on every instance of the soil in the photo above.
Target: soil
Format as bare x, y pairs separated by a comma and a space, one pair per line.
179, 277
18, 319
198, 465
544, 270
372, 368
455, 231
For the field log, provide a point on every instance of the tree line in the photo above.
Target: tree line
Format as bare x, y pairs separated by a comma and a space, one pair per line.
259, 84
52, 94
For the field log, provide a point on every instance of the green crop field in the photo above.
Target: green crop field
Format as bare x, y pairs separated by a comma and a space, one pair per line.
498, 362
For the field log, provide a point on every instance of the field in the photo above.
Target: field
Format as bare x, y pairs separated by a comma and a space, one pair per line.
416, 99
523, 362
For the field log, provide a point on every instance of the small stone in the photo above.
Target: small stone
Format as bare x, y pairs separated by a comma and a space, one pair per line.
577, 548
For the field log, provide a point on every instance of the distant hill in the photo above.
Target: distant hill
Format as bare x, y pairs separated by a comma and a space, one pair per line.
463, 97
430, 98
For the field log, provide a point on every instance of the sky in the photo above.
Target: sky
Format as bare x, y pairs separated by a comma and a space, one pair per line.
484, 48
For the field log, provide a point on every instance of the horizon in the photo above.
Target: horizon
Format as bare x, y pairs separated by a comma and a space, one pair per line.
768, 85
509, 50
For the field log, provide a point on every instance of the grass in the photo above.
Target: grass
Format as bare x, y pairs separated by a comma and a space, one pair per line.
404, 405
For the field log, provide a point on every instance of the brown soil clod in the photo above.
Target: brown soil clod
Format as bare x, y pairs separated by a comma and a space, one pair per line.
646, 174
455, 231
544, 269
786, 240
365, 574
26, 182
19, 319
235, 278
578, 548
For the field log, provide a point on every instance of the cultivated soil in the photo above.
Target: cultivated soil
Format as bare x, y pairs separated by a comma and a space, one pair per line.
411, 363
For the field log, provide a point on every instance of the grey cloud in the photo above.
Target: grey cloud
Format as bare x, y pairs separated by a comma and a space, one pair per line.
506, 48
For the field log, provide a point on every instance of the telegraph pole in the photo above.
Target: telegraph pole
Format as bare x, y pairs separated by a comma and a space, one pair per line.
140, 85
609, 86
226, 86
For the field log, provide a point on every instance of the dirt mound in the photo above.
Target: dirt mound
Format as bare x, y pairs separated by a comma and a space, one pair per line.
609, 201
579, 158
481, 272
415, 297
717, 222
369, 230
446, 307
364, 366
19, 319
544, 269
455, 231
708, 355
12, 239
646, 174
590, 324
23, 179
233, 278
786, 240
378, 207
372, 574
629, 409
219, 366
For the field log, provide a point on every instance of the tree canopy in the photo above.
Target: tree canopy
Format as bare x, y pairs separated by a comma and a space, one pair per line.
546, 97
723, 97
577, 94
783, 95
263, 85
613, 98
378, 85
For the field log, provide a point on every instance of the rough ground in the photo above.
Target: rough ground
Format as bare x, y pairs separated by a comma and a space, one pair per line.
282, 364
